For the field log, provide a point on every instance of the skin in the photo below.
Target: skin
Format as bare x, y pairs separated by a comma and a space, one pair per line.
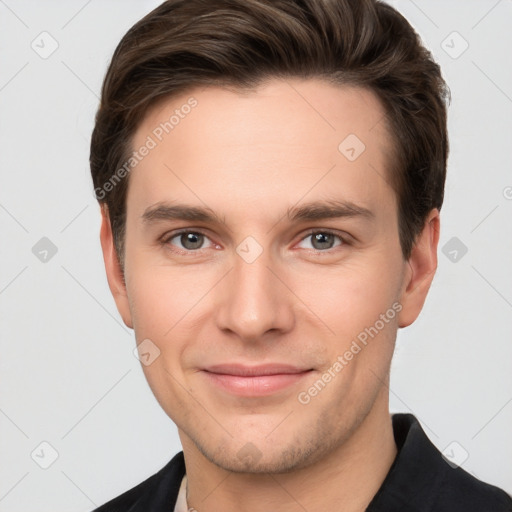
249, 157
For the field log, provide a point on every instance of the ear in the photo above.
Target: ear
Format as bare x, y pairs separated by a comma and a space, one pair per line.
422, 266
115, 276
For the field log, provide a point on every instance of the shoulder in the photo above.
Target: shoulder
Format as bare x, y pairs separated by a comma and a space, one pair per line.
158, 492
459, 490
421, 479
455, 488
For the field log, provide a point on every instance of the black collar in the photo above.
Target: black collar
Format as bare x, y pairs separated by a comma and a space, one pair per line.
421, 480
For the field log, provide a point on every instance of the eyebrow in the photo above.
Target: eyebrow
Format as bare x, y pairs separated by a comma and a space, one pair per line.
329, 209
165, 211
318, 210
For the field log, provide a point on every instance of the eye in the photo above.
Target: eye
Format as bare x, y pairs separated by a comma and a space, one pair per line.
322, 240
188, 240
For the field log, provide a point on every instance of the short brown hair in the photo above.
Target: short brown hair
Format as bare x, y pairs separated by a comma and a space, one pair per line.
239, 43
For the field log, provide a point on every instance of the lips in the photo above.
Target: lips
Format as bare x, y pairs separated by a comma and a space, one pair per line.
254, 381
252, 371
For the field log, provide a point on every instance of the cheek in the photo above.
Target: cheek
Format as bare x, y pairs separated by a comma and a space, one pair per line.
169, 306
153, 303
160, 295
349, 298
160, 301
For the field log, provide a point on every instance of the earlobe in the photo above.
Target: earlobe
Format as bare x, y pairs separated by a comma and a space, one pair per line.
422, 266
113, 270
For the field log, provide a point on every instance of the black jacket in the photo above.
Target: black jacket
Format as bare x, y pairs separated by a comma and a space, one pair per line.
420, 480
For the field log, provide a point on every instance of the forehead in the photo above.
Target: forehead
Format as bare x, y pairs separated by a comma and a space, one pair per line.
274, 145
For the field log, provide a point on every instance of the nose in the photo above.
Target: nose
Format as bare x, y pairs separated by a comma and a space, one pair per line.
253, 303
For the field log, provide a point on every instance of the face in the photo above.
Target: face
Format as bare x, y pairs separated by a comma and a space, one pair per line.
262, 235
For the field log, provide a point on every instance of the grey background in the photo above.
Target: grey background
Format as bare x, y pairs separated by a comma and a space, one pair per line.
68, 374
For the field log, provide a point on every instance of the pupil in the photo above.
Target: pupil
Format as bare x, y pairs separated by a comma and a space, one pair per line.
322, 240
191, 240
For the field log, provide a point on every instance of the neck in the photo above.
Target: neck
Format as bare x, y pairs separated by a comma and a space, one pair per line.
346, 480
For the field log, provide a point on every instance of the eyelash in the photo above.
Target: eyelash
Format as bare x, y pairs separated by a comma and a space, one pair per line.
165, 240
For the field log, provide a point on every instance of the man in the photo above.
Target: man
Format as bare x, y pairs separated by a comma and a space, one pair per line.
270, 174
